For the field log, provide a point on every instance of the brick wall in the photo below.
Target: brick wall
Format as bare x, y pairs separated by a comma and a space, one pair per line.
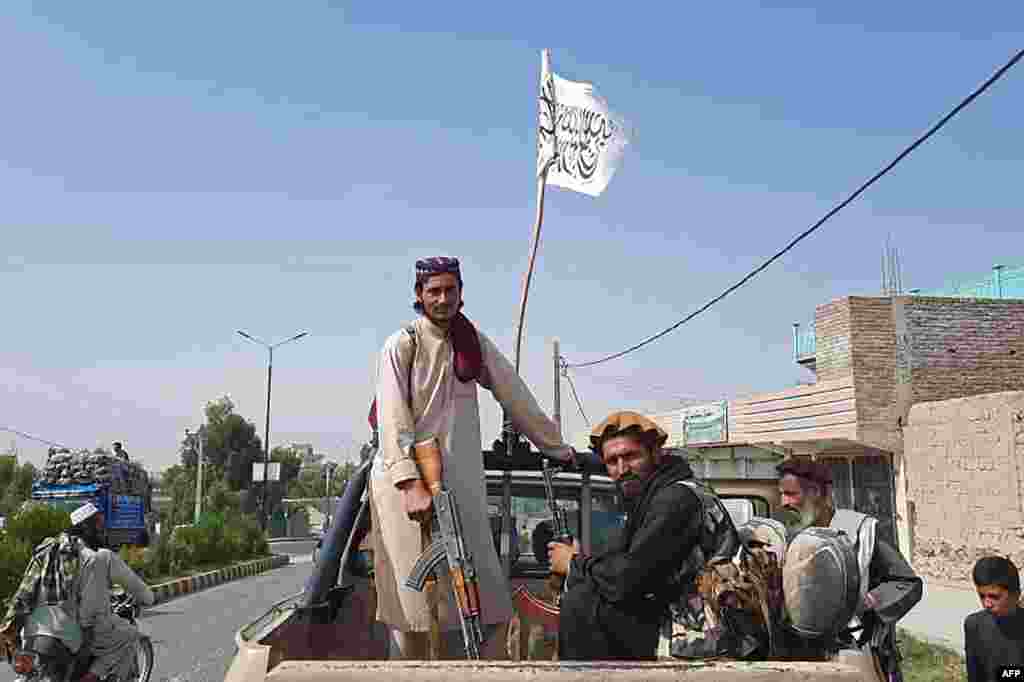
965, 459
832, 340
873, 357
964, 347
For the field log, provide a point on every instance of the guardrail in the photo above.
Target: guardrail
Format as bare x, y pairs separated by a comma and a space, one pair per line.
804, 341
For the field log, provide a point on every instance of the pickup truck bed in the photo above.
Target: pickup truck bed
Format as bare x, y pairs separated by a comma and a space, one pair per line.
286, 647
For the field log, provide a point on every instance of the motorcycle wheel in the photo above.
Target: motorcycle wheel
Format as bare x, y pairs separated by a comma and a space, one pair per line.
144, 656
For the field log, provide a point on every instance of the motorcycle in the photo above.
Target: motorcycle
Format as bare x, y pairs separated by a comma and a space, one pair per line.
46, 659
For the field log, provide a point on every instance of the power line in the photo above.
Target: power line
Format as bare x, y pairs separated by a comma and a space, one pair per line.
860, 190
572, 387
31, 437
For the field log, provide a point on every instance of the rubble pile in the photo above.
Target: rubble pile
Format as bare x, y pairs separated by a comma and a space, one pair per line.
83, 467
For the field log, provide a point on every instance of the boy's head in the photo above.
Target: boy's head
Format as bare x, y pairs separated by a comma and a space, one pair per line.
998, 584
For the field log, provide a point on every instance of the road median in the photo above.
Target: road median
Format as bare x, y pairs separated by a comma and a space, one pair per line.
201, 581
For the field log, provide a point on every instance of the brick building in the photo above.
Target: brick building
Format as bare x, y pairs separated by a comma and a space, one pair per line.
874, 359
917, 404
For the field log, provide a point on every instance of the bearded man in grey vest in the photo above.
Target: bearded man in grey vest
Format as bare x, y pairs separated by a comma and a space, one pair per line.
889, 586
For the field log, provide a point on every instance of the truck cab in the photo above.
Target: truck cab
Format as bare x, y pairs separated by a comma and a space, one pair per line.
339, 639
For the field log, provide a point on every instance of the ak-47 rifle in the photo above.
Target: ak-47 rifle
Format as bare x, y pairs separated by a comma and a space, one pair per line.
448, 545
536, 609
559, 522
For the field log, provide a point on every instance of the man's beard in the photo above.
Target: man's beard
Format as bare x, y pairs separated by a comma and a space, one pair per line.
814, 511
442, 316
635, 485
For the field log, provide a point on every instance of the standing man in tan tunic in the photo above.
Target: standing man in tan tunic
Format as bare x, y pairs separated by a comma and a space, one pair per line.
427, 376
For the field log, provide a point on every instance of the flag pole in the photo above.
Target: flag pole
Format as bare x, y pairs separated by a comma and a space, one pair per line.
510, 440
541, 184
542, 177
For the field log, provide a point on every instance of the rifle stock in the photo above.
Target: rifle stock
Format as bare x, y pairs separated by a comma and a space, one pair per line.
536, 609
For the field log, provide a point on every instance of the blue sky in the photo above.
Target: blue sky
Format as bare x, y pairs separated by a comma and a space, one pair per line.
173, 173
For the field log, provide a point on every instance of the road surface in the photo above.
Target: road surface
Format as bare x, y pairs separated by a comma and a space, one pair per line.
194, 636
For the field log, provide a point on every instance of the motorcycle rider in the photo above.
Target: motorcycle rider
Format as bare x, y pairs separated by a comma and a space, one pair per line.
65, 594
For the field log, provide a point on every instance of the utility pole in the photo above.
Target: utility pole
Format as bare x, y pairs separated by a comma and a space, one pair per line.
196, 442
557, 412
328, 473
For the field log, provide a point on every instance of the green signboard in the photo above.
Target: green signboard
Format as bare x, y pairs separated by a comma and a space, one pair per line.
706, 424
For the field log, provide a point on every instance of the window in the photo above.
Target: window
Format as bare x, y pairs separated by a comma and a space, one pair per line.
531, 521
740, 509
605, 521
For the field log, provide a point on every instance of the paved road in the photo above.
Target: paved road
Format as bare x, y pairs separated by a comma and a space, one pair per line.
296, 548
939, 616
194, 636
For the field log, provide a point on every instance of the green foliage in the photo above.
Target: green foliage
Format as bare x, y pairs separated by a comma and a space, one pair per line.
14, 557
36, 522
926, 662
218, 496
15, 484
179, 483
291, 463
25, 530
254, 541
218, 538
135, 557
231, 444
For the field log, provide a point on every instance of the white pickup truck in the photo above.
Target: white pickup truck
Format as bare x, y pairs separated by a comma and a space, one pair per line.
338, 639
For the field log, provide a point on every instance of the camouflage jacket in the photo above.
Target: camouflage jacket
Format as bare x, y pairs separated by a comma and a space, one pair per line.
49, 578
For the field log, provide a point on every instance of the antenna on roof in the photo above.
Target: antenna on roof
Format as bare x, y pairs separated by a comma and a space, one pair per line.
892, 271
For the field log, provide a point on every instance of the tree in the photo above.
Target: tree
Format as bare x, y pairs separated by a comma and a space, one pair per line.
291, 463
231, 444
16, 485
179, 483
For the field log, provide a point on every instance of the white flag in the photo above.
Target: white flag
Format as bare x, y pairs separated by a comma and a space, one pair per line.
577, 135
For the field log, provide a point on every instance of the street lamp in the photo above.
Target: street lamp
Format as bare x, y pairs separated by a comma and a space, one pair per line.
266, 442
329, 468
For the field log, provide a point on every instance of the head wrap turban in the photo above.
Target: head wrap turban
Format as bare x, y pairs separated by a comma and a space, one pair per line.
439, 265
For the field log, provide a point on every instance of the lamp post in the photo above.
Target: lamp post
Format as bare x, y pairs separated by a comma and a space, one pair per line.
329, 468
266, 442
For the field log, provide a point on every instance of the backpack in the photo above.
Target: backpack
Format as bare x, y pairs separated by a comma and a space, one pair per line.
718, 539
717, 545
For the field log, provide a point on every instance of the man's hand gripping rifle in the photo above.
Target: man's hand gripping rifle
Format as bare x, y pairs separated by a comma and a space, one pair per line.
448, 544
559, 520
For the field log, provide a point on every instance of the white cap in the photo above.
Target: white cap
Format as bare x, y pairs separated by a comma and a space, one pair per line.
83, 513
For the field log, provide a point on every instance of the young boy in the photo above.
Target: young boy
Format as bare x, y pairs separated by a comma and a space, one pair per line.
994, 636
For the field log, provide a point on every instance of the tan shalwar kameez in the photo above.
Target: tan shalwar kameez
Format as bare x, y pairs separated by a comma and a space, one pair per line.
113, 643
447, 409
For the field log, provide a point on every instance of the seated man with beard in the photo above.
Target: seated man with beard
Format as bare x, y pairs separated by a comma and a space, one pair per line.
893, 587
616, 600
